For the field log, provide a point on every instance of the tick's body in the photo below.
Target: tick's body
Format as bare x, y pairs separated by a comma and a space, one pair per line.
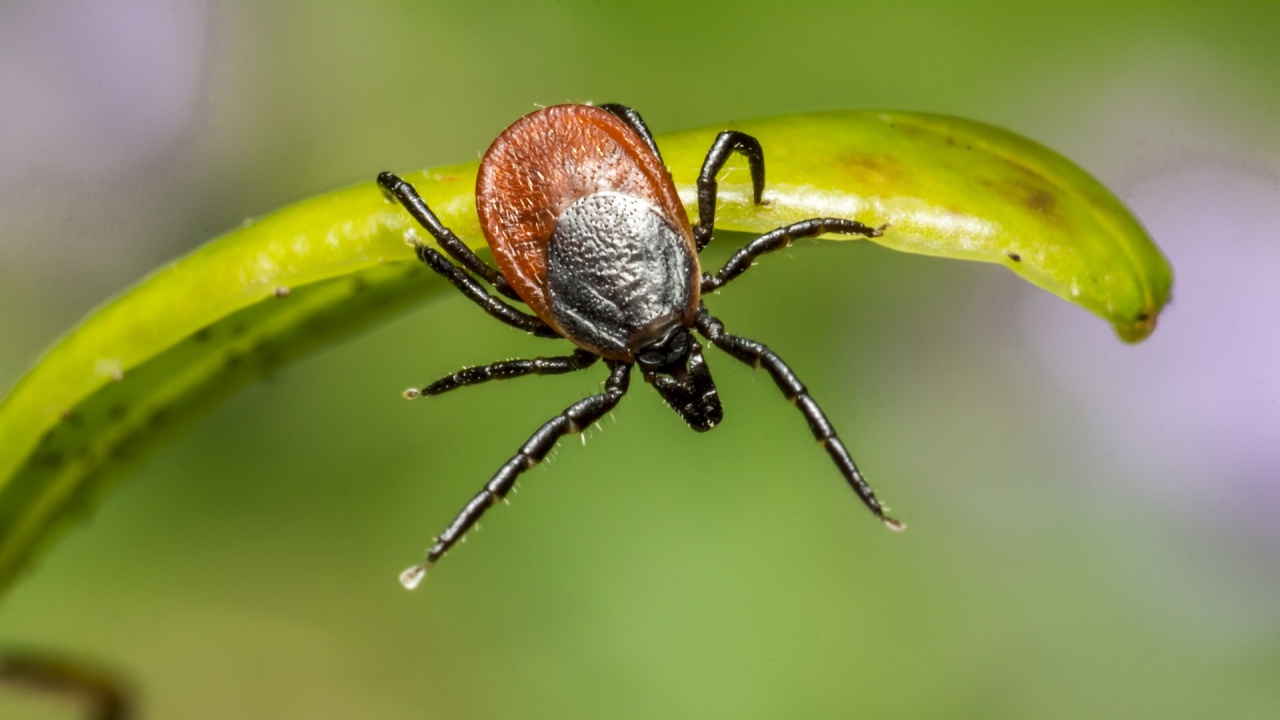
585, 224
588, 231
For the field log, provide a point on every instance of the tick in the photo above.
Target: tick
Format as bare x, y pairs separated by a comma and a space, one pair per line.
589, 234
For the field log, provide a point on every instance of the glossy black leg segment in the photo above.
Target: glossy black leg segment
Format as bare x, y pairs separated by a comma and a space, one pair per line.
757, 355
574, 419
579, 360
780, 238
727, 143
476, 292
632, 118
417, 207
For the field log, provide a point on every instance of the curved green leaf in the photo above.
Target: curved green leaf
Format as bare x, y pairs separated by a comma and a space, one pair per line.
146, 362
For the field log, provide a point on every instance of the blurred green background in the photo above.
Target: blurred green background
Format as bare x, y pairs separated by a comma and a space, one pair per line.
1094, 528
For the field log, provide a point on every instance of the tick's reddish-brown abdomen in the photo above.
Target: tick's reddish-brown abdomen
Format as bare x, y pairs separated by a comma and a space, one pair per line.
544, 163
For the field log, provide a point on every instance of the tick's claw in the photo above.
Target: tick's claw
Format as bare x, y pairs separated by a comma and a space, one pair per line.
411, 577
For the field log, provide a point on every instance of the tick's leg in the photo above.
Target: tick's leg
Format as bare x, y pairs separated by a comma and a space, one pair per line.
727, 143
579, 360
574, 419
757, 355
632, 118
780, 238
417, 207
476, 292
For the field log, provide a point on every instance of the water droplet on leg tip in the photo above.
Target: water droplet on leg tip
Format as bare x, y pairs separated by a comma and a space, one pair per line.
411, 577
411, 394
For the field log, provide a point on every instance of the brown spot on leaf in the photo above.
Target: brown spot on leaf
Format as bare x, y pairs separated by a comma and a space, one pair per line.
1033, 189
1036, 196
869, 169
1039, 200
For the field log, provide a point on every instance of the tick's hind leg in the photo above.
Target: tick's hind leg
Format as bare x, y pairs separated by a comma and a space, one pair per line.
782, 237
726, 144
409, 198
574, 419
475, 292
505, 370
757, 355
417, 207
